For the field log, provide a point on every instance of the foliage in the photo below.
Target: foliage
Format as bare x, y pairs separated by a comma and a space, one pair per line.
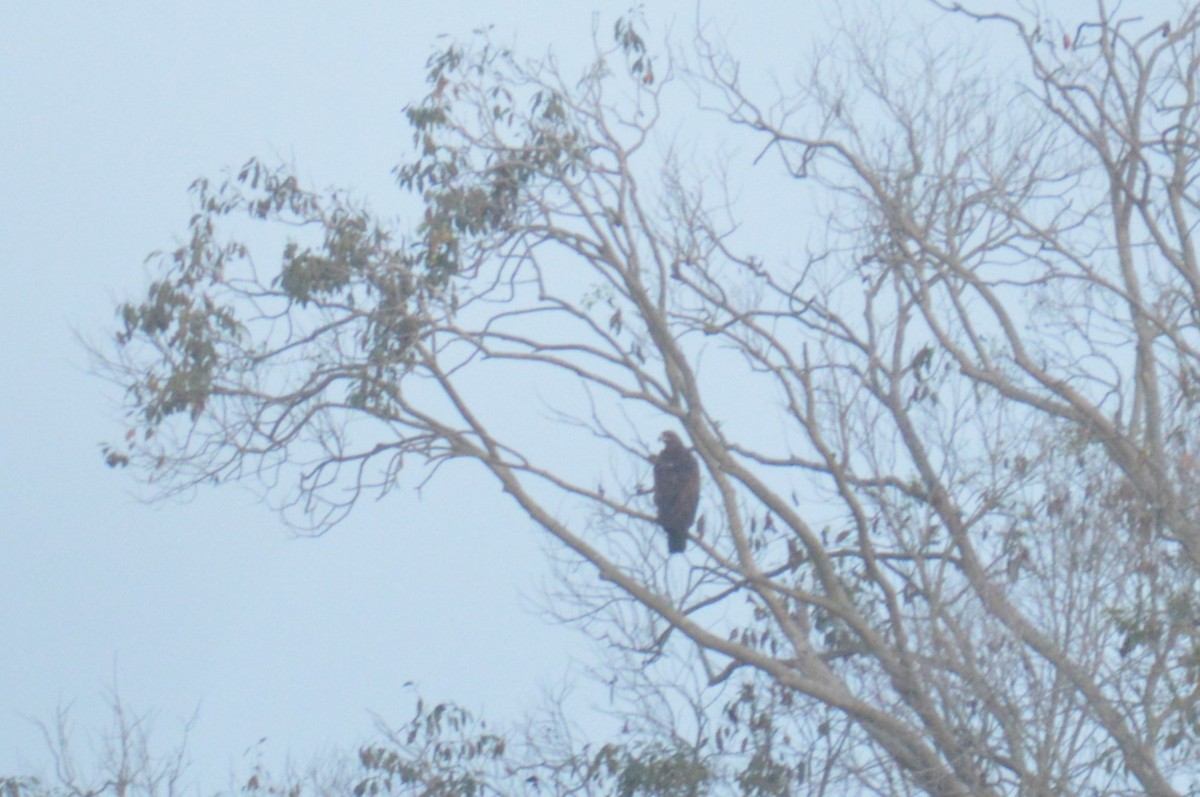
443, 750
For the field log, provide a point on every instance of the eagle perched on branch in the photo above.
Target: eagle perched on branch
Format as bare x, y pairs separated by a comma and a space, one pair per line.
676, 490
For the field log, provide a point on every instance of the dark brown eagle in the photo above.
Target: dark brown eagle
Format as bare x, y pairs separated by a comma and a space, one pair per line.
676, 490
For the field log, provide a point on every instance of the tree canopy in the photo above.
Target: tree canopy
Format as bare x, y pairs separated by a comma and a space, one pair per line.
949, 536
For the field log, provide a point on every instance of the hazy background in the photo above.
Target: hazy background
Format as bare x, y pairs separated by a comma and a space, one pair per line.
107, 113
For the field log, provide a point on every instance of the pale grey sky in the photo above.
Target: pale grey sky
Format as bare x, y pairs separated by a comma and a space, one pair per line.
107, 113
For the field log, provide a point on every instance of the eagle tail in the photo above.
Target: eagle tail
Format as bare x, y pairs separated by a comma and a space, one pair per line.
676, 540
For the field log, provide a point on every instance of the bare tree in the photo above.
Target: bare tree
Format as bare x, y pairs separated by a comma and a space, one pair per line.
122, 760
949, 537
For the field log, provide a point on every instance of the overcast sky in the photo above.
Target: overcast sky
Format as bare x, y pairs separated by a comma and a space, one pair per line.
107, 113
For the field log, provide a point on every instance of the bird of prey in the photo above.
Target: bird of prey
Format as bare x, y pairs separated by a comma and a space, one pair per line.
676, 490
